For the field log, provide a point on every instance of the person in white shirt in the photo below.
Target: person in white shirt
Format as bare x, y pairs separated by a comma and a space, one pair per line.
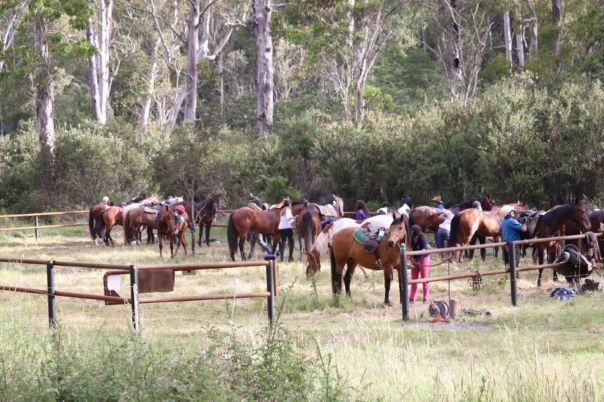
444, 229
286, 222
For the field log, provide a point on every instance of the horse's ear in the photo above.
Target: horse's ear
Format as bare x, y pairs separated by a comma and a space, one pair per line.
395, 214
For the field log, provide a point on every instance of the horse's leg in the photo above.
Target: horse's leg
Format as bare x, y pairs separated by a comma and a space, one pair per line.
388, 274
290, 236
253, 239
199, 242
350, 267
336, 273
208, 226
470, 253
171, 246
241, 243
540, 256
161, 246
182, 236
551, 257
483, 251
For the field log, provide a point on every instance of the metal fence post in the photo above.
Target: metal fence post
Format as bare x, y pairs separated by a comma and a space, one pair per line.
134, 297
37, 231
193, 226
403, 283
513, 283
270, 286
50, 281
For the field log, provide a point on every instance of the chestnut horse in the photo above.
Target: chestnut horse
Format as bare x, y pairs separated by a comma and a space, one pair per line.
552, 223
166, 227
345, 250
323, 240
111, 217
308, 221
475, 224
427, 218
245, 220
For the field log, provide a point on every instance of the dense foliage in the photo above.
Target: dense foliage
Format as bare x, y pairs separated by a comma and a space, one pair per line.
532, 131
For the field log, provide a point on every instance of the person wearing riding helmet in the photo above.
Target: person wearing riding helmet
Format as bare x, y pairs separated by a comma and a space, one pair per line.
510, 231
421, 263
105, 200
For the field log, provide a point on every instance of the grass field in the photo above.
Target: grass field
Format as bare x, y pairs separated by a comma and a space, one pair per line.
542, 350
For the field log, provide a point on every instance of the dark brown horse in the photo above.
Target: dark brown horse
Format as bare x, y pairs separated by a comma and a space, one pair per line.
486, 203
111, 217
138, 219
552, 224
308, 221
204, 213
345, 250
96, 224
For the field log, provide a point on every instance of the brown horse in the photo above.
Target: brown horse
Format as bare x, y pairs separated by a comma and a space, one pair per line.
111, 217
95, 222
345, 250
552, 224
244, 220
204, 213
308, 221
475, 224
166, 227
427, 218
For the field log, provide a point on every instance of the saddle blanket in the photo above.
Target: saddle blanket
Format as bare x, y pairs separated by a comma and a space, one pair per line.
150, 210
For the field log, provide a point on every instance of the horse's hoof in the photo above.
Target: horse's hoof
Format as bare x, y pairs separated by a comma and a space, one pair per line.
387, 303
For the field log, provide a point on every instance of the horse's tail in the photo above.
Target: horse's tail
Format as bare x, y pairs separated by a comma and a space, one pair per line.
453, 233
91, 224
232, 237
127, 228
307, 222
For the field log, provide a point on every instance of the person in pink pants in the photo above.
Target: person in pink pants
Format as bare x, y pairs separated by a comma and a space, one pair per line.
421, 263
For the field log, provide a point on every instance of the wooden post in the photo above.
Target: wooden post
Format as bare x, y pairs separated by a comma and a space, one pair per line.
403, 283
452, 308
270, 286
513, 284
37, 230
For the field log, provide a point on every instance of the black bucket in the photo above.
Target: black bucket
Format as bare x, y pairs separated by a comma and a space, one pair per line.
438, 307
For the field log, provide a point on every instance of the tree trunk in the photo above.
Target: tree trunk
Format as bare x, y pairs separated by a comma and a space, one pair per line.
507, 36
221, 85
146, 104
534, 38
105, 15
95, 102
557, 14
44, 96
519, 37
191, 73
264, 77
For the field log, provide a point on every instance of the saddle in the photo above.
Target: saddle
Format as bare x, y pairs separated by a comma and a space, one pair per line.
369, 241
150, 209
576, 265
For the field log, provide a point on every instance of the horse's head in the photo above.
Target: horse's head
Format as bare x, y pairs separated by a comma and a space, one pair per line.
579, 215
313, 263
339, 204
397, 233
487, 202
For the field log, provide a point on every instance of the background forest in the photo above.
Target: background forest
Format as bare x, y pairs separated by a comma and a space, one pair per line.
370, 99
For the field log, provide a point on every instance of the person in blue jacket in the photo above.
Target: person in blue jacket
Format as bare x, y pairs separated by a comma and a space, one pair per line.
510, 231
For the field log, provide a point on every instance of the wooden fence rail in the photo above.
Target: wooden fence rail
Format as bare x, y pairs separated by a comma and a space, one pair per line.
404, 281
133, 270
